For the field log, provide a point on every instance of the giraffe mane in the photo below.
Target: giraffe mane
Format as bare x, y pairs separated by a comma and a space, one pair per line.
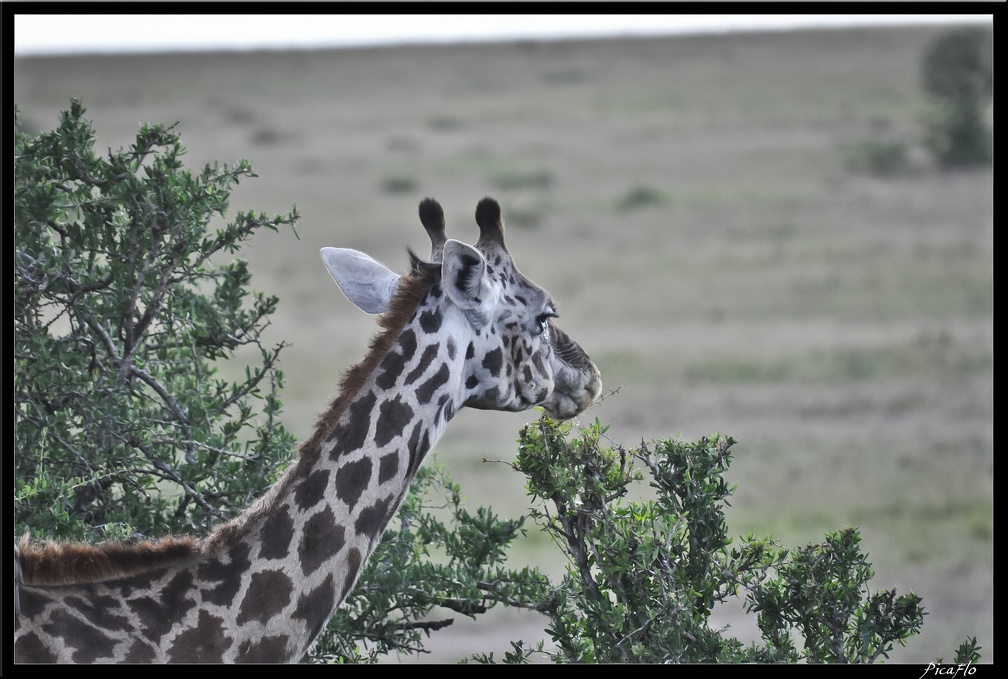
54, 563
410, 292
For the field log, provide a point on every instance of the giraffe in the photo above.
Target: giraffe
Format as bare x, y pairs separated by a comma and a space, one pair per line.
463, 329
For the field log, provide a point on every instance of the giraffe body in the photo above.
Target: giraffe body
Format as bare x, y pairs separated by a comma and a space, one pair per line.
466, 329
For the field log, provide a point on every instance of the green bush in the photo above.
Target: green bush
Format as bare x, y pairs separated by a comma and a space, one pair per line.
123, 307
958, 73
881, 158
398, 184
646, 574
640, 197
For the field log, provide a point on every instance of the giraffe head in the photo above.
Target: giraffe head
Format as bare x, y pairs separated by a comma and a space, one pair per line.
515, 356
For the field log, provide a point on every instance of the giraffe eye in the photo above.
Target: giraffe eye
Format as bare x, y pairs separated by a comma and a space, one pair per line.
542, 320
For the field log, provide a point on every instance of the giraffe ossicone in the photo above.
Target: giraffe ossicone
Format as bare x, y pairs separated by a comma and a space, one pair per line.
463, 329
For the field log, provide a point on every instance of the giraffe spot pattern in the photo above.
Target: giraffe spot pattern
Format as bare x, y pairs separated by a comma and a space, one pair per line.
88, 641
393, 417
267, 594
139, 652
408, 344
174, 595
152, 616
321, 539
311, 491
425, 392
222, 580
31, 601
353, 434
446, 407
493, 361
353, 561
30, 646
372, 519
429, 354
538, 363
430, 321
418, 447
277, 532
204, 643
315, 607
351, 480
101, 609
142, 581
415, 455
263, 650
391, 367
388, 467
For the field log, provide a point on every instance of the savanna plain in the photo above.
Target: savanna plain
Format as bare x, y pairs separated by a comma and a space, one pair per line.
694, 206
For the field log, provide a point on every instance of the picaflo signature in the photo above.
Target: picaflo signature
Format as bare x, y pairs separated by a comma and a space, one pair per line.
949, 671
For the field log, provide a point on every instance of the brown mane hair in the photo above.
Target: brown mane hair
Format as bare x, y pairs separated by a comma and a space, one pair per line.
410, 292
54, 563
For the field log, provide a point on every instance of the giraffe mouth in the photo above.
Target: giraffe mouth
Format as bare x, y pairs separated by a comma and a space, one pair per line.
574, 390
564, 405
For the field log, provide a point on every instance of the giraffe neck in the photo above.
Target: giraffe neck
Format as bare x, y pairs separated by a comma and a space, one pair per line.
263, 586
314, 536
308, 541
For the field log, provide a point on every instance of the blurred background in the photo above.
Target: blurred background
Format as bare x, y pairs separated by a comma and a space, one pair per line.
744, 223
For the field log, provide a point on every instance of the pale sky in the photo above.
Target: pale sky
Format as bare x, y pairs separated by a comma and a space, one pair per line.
36, 34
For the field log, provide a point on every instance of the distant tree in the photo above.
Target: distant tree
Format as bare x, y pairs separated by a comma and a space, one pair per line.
958, 73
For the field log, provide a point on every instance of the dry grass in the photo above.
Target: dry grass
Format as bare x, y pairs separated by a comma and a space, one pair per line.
687, 203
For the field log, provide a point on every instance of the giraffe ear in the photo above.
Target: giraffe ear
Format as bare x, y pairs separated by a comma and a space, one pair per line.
463, 275
365, 282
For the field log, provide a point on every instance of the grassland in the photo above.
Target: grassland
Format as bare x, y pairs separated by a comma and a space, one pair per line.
687, 202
